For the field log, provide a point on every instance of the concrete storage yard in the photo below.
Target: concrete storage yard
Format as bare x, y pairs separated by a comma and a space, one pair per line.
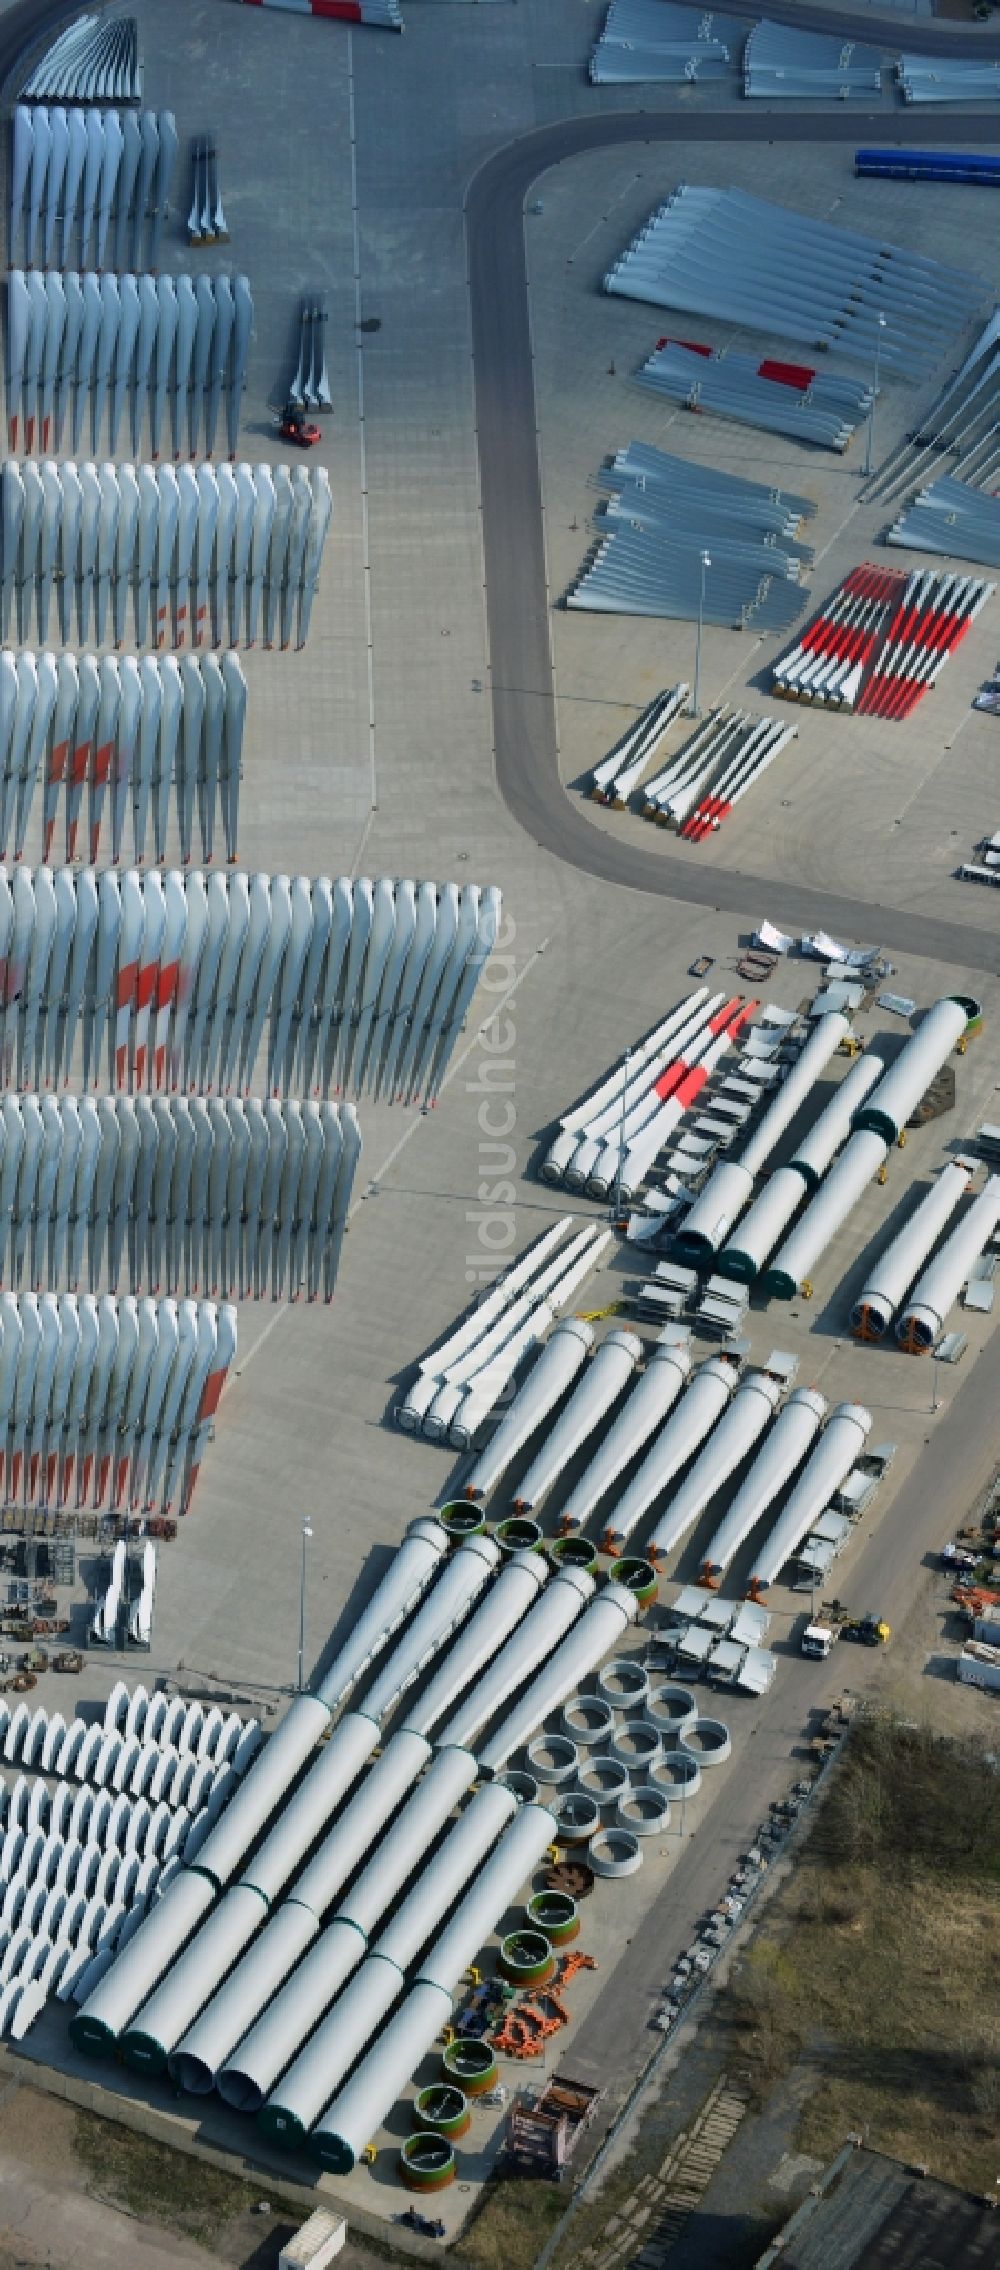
345, 157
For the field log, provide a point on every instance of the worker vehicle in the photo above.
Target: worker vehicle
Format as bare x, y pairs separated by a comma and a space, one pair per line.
292, 426
833, 1624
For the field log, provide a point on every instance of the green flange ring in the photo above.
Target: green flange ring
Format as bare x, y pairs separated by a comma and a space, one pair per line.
470, 2065
526, 1958
461, 1519
441, 2110
573, 1553
555, 1915
426, 2162
638, 1577
518, 1534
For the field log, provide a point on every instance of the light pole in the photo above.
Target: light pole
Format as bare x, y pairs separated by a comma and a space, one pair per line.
871, 414
621, 1138
706, 562
306, 1534
934, 1375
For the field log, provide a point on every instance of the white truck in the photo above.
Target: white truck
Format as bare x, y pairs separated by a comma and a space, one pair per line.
979, 1665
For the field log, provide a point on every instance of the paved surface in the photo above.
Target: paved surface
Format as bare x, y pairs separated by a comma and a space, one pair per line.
518, 598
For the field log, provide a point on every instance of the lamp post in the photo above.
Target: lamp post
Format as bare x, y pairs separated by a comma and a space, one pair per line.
706, 562
621, 1138
306, 1534
871, 414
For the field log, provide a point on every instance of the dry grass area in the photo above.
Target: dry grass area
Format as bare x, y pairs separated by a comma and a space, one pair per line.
199, 2202
512, 2225
876, 1963
872, 1974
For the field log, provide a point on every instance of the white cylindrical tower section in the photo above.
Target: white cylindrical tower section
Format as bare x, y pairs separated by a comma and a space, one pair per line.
510, 1864
825, 1037
516, 1589
890, 1105
330, 2052
647, 1405
195, 2062
276, 2037
696, 1414
838, 1449
725, 1450
307, 1812
603, 1381
785, 1447
403, 1584
359, 2110
599, 1629
745, 1253
265, 1789
762, 1225
823, 1139
729, 1188
837, 1197
547, 1381
901, 1260
706, 1227
528, 1646
925, 1309
460, 1582
157, 2027
106, 2013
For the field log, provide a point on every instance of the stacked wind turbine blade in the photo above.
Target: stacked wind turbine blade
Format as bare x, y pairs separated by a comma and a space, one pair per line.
310, 387
72, 172
90, 62
363, 986
943, 78
239, 1200
723, 759
962, 425
136, 331
108, 1402
785, 398
952, 518
132, 734
601, 1142
462, 1380
883, 639
189, 549
832, 658
382, 13
664, 516
931, 620
721, 252
206, 219
614, 779
654, 39
780, 60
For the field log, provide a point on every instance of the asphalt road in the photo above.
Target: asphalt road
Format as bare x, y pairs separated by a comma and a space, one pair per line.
954, 1468
893, 32
25, 25
517, 599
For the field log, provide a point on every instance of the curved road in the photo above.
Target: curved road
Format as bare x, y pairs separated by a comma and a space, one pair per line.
912, 37
513, 537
